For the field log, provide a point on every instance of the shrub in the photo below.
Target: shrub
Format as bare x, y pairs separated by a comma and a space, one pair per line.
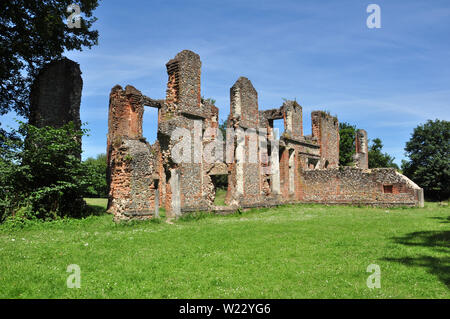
42, 175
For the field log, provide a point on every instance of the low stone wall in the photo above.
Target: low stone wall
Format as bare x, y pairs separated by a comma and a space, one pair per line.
348, 185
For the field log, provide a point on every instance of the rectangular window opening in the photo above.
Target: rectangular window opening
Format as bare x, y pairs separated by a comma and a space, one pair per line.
387, 189
220, 187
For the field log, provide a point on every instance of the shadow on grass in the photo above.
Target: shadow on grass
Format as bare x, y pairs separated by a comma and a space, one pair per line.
94, 207
444, 220
438, 241
94, 210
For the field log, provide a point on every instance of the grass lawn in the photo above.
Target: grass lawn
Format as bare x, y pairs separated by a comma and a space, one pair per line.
221, 194
293, 251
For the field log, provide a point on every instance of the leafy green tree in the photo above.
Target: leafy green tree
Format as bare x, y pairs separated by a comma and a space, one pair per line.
96, 169
347, 149
429, 154
43, 176
377, 158
33, 33
347, 135
10, 145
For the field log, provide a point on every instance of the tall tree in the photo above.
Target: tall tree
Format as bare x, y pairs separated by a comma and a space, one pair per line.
347, 135
429, 154
377, 158
96, 168
33, 33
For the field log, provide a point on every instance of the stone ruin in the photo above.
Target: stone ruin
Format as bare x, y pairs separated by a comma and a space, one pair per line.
361, 157
261, 170
56, 96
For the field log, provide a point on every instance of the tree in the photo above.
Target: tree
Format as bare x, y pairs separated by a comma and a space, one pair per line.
377, 158
96, 168
429, 158
347, 135
32, 33
347, 149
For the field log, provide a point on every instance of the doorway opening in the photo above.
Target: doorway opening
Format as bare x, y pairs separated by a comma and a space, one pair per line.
220, 183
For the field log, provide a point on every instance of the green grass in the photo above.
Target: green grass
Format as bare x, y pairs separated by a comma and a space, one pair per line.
98, 202
293, 251
220, 197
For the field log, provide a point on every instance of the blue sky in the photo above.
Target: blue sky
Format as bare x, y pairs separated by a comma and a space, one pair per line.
321, 53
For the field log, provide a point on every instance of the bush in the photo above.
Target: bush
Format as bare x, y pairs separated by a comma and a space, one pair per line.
42, 175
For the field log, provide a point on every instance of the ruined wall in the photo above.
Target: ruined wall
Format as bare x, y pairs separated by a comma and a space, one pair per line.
309, 153
214, 151
295, 168
361, 157
183, 88
349, 185
244, 103
293, 120
56, 96
132, 163
295, 156
298, 152
294, 150
133, 182
125, 113
326, 129
269, 153
244, 118
187, 187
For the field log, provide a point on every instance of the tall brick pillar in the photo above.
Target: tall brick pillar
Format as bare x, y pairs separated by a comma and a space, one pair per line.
244, 118
293, 119
183, 110
125, 113
326, 129
132, 162
56, 96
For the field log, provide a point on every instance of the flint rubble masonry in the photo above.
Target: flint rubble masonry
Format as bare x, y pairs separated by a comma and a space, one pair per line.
295, 168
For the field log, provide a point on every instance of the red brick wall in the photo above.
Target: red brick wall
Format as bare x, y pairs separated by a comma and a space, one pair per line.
357, 186
326, 129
